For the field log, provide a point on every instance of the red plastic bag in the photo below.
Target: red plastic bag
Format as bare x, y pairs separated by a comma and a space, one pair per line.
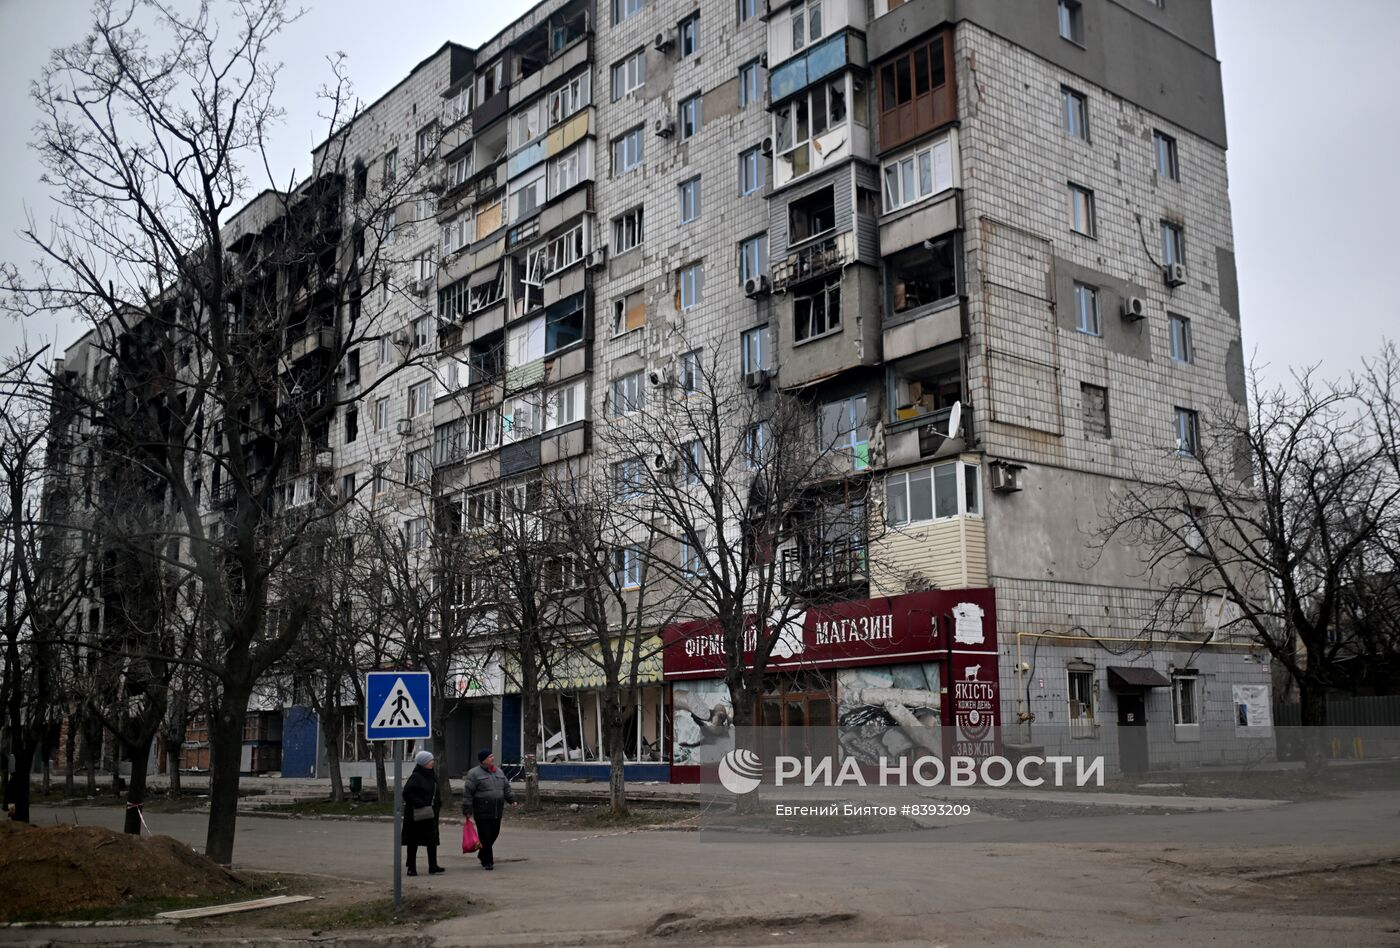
470, 841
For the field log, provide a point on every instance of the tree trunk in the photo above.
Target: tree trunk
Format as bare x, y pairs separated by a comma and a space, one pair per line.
744, 701
18, 782
140, 752
333, 737
617, 776
70, 754
226, 752
381, 779
1312, 698
92, 750
530, 712
172, 767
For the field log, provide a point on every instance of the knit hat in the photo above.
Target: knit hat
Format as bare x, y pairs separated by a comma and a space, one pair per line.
482, 755
423, 758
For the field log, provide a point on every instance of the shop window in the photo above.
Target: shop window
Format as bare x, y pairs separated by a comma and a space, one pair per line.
817, 311
571, 723
927, 383
921, 276
811, 216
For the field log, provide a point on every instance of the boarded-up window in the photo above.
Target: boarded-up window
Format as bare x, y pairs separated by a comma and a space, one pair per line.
629, 312
1094, 401
489, 219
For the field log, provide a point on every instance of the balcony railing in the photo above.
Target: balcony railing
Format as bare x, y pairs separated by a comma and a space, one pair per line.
813, 260
831, 565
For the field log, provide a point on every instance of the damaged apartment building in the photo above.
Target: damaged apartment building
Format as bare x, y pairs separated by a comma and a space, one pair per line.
991, 240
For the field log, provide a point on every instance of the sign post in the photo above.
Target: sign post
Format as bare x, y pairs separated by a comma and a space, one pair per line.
398, 707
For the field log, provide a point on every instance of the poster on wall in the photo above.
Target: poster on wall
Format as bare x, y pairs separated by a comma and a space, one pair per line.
704, 721
888, 711
1252, 710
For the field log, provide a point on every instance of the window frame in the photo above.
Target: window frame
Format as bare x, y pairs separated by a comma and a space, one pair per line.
690, 117
966, 503
624, 10
1173, 243
630, 67
829, 286
1187, 428
1167, 157
622, 402
1186, 681
750, 81
633, 142
760, 262
757, 333
1180, 347
637, 218
1074, 111
689, 199
1076, 193
690, 286
688, 36
1070, 21
915, 160
1088, 317
751, 162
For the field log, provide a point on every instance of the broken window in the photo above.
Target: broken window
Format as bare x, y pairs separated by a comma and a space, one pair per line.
629, 312
563, 325
844, 428
812, 215
926, 383
817, 311
921, 276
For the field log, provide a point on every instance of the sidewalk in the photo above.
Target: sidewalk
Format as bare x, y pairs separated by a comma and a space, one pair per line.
265, 790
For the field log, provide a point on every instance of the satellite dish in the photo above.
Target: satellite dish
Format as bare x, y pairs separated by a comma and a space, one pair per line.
954, 420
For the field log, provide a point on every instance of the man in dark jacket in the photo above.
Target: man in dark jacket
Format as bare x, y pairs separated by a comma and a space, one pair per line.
485, 793
420, 792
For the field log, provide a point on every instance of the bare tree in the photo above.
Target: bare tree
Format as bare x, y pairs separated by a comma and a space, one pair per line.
217, 338
42, 579
1271, 522
762, 502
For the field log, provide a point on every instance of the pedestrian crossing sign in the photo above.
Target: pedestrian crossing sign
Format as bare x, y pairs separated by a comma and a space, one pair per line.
398, 706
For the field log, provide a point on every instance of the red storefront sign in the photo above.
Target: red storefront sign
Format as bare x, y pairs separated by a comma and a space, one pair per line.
955, 627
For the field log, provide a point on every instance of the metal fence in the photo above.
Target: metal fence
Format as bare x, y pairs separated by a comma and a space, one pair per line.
1346, 719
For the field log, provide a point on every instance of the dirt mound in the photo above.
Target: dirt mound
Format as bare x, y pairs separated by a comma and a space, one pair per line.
49, 871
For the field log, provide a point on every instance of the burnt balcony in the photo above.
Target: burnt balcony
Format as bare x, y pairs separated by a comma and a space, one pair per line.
825, 566
310, 342
814, 260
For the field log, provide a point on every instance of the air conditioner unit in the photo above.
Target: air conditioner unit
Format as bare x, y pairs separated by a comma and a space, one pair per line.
658, 377
401, 339
1175, 274
767, 147
757, 286
325, 460
758, 378
405, 426
1005, 476
437, 184
665, 127
661, 463
597, 259
663, 42
1134, 307
419, 287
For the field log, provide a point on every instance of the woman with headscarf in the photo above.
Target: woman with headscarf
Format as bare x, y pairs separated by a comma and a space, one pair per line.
422, 802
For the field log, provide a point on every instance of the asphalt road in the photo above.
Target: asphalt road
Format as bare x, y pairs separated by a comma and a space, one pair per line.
1105, 879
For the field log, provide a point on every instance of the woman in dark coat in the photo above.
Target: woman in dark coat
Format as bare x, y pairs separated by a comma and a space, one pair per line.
421, 790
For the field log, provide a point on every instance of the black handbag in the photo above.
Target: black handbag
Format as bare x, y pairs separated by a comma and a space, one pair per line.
422, 813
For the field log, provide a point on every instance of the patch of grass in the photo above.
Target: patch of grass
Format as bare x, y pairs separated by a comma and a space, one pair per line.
260, 886
331, 808
334, 914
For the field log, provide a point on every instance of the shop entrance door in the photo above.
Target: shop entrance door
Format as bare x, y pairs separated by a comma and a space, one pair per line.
797, 716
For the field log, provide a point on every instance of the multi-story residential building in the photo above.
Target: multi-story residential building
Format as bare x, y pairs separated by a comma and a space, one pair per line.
989, 243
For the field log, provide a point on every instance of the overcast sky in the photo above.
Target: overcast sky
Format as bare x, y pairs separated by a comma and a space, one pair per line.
1312, 98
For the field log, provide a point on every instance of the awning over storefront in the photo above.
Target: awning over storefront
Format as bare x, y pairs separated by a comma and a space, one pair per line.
1127, 678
